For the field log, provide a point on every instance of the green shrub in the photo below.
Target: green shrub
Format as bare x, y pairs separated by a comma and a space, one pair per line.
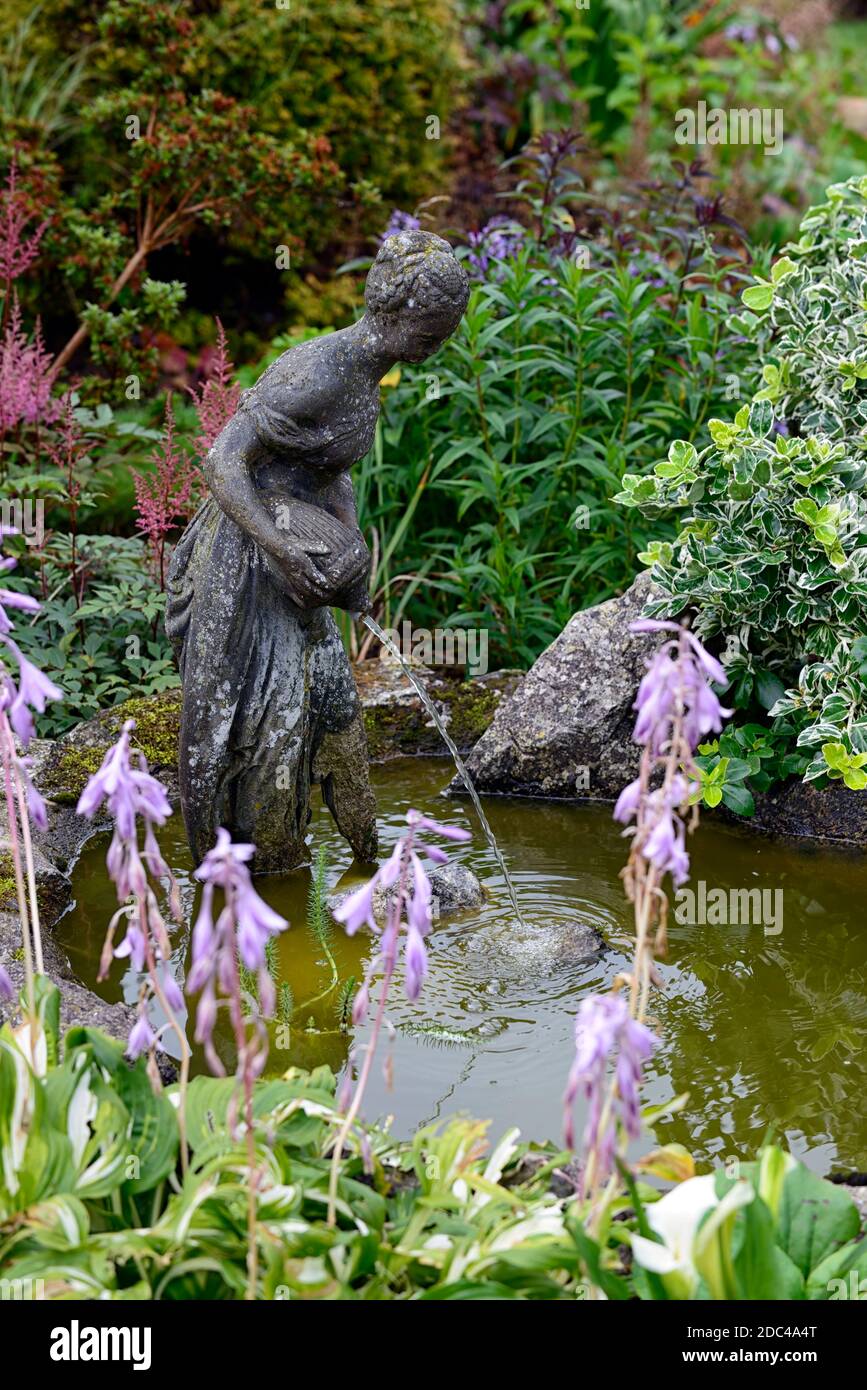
364, 74
497, 460
815, 305
773, 540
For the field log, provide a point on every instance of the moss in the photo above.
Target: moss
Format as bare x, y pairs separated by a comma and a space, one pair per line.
400, 730
157, 726
8, 894
65, 779
79, 755
471, 708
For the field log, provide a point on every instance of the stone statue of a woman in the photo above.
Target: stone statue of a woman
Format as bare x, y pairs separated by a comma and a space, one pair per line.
269, 702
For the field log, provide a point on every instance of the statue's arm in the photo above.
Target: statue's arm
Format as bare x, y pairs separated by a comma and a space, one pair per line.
229, 474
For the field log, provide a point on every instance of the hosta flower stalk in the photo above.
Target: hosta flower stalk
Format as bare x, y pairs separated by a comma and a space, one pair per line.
408, 921
238, 936
23, 690
676, 707
132, 795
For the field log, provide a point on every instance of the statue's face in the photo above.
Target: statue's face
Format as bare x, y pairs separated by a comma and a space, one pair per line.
414, 334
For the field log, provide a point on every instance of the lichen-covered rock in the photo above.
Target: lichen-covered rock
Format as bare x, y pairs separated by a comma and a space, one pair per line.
78, 1005
395, 722
455, 889
398, 725
52, 886
567, 730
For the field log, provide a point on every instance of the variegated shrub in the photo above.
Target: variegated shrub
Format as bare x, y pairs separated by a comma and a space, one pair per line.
771, 553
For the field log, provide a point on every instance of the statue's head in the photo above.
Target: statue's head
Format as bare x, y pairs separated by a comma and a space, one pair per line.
416, 293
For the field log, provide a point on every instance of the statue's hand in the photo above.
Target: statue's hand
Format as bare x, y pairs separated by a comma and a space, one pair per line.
313, 575
301, 578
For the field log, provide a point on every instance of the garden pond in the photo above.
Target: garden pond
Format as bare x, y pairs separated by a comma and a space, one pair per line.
759, 1023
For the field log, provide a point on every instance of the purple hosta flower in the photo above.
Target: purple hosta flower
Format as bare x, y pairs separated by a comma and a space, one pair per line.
10, 599
34, 689
606, 1033
665, 844
7, 989
130, 794
676, 707
35, 800
400, 222
415, 908
242, 929
402, 866
141, 1039
676, 683
128, 791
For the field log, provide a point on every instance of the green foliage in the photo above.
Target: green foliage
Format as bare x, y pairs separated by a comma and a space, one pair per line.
357, 73
815, 305
560, 380
110, 647
746, 760
634, 65
771, 551
93, 1202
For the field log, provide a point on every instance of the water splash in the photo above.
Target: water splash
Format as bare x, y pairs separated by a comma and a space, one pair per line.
449, 742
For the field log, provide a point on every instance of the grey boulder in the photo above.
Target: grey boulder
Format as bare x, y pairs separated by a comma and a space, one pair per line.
567, 730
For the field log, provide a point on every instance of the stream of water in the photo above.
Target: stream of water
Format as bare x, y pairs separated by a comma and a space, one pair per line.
421, 690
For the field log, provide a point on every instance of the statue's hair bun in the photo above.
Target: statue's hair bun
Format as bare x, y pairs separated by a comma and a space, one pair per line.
416, 268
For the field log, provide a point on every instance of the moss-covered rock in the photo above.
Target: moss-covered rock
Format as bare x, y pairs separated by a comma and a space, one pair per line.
52, 886
78, 754
398, 725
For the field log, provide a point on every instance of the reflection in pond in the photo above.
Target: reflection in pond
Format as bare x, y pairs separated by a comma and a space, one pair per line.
760, 1026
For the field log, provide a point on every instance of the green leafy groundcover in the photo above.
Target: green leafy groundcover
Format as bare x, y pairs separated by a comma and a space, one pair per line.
92, 1201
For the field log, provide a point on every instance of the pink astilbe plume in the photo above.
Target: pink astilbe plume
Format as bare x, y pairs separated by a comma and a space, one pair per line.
216, 398
17, 250
164, 497
25, 376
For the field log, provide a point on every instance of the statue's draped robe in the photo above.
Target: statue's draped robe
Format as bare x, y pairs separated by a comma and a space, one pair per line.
269, 702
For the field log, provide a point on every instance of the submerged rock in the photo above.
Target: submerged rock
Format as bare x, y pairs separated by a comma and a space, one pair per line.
455, 889
567, 730
542, 950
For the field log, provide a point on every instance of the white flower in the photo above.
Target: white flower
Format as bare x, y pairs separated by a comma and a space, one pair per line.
687, 1250
675, 1218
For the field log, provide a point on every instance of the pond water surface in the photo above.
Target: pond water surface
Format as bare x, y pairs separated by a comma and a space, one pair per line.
761, 1024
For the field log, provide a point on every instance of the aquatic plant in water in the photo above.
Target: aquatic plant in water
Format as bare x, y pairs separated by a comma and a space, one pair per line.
410, 909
